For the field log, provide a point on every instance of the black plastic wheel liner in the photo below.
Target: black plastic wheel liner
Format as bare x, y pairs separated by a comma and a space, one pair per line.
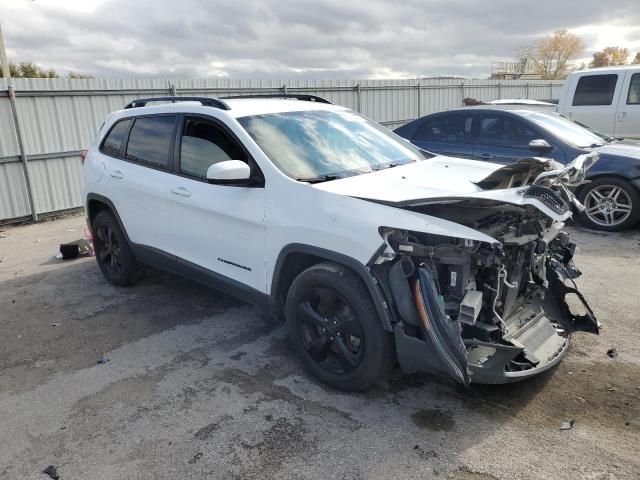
443, 334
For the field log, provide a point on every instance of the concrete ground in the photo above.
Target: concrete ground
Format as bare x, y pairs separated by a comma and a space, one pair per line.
200, 385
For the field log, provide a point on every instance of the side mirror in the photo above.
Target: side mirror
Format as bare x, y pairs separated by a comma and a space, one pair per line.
540, 146
229, 172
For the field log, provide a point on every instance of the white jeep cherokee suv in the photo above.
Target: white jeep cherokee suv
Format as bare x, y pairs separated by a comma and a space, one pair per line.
374, 251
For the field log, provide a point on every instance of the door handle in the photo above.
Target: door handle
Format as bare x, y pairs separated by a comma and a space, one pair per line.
183, 192
485, 156
622, 116
116, 174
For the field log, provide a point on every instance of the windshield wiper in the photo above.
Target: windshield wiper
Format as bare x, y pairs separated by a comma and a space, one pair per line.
320, 178
384, 166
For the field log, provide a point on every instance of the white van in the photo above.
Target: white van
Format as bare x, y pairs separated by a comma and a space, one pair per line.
606, 99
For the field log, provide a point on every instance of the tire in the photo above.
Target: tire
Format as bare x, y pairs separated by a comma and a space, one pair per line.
113, 254
611, 204
354, 352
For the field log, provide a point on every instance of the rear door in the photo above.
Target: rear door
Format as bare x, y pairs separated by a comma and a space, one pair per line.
627, 123
502, 138
220, 228
136, 181
594, 100
446, 134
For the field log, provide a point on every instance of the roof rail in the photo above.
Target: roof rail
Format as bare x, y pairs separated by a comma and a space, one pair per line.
298, 96
205, 101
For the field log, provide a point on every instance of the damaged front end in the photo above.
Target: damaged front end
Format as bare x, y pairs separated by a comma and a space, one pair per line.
485, 312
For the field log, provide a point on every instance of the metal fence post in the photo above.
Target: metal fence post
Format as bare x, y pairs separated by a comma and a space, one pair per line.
22, 151
358, 98
462, 89
284, 89
172, 89
499, 90
550, 90
419, 87
527, 90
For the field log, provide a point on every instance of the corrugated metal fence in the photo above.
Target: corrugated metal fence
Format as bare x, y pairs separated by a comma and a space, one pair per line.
56, 118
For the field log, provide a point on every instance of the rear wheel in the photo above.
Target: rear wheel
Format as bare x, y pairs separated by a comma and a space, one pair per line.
335, 329
113, 254
610, 204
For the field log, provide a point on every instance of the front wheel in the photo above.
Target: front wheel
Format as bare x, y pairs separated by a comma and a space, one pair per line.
335, 329
610, 203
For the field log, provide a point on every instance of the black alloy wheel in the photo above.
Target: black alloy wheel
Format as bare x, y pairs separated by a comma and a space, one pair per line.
113, 254
334, 326
330, 330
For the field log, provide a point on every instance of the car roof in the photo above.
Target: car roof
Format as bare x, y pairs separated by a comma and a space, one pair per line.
238, 107
610, 69
497, 108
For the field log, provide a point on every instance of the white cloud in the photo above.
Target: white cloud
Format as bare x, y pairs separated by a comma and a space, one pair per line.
299, 38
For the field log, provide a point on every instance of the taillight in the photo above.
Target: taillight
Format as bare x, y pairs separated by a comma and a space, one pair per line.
83, 155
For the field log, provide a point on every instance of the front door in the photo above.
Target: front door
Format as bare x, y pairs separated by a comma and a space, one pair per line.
502, 139
594, 101
217, 227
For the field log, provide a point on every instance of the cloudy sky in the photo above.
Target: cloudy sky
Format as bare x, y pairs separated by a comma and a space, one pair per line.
300, 38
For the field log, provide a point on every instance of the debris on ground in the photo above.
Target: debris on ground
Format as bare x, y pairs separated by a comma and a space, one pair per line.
55, 324
612, 352
195, 458
75, 249
103, 359
567, 425
52, 472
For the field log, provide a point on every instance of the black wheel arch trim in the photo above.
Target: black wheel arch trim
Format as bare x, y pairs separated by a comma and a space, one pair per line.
104, 200
363, 271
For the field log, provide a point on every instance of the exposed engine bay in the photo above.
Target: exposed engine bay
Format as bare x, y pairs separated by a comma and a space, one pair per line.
485, 312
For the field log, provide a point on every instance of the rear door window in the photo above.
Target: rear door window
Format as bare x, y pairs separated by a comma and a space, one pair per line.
595, 90
445, 129
151, 139
633, 97
113, 141
203, 144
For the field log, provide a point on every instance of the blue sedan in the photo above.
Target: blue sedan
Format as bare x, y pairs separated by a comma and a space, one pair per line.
611, 198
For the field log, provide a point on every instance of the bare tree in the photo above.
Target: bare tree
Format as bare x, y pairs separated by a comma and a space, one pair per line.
610, 56
552, 56
636, 59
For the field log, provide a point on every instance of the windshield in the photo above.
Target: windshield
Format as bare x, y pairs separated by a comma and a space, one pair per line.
318, 145
604, 136
565, 129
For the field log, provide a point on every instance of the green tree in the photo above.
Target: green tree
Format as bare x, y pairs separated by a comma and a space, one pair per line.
30, 70
610, 56
81, 76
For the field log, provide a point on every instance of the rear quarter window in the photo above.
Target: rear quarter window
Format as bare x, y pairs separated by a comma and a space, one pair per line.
151, 139
113, 141
595, 90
